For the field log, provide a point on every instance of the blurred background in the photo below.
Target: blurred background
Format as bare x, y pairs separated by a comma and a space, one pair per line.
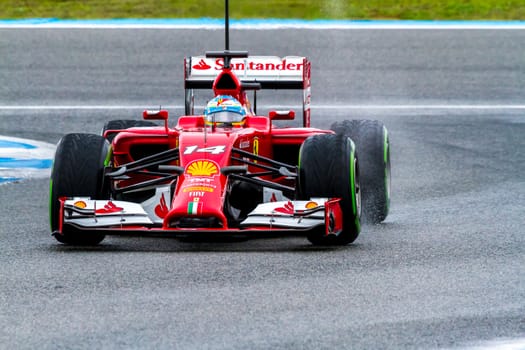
301, 9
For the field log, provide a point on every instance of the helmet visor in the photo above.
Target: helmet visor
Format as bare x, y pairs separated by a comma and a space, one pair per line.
224, 117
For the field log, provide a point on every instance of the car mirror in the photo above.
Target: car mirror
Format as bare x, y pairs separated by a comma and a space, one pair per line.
155, 115
282, 115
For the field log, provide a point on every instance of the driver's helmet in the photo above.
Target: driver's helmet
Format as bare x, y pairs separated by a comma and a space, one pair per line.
224, 110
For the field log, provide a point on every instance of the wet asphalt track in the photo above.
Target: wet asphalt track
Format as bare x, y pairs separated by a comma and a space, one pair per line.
446, 269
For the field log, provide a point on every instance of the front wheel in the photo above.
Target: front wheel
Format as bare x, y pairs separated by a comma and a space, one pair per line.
328, 167
77, 172
373, 145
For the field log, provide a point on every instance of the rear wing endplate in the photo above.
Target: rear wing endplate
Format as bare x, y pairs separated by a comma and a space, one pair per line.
271, 72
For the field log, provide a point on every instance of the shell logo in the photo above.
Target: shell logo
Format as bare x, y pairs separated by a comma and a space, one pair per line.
311, 205
202, 168
80, 204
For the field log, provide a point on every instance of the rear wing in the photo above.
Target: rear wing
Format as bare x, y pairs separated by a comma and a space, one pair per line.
271, 72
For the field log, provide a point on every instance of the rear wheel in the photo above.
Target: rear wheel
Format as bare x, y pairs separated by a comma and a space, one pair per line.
118, 125
77, 171
328, 167
373, 145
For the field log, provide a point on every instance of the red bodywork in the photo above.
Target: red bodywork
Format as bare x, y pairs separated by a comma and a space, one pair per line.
206, 155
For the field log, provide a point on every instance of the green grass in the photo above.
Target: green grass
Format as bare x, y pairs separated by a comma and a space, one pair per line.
302, 9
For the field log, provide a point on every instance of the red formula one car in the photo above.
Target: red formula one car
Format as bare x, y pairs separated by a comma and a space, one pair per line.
210, 175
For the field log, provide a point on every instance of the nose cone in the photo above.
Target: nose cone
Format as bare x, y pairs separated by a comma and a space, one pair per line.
198, 203
200, 191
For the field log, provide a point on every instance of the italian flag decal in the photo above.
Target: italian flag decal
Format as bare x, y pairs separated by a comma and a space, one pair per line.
193, 207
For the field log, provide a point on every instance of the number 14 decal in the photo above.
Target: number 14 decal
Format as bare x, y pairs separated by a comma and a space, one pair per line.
212, 150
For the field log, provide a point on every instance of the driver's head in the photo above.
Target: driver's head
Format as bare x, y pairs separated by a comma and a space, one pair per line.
224, 110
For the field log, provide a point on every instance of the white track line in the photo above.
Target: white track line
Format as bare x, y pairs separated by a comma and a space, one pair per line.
335, 106
42, 150
499, 344
272, 25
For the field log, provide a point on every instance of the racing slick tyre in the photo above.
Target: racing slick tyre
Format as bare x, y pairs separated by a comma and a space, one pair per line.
119, 125
77, 171
328, 167
373, 146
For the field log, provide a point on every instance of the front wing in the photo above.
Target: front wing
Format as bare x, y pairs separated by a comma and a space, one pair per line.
267, 219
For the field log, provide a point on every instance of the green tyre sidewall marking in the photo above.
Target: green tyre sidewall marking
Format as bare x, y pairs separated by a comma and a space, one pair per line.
51, 189
385, 144
352, 186
107, 161
386, 158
